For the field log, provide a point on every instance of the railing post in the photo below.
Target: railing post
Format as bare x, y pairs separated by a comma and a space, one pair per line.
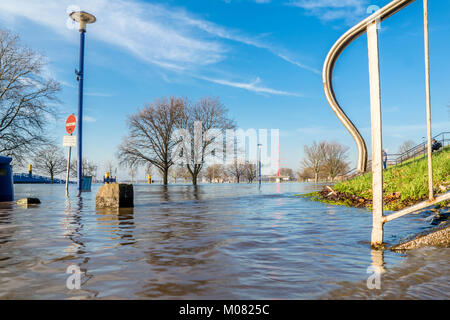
427, 79
377, 143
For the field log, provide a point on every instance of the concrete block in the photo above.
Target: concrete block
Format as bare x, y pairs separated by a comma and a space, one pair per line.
28, 201
115, 195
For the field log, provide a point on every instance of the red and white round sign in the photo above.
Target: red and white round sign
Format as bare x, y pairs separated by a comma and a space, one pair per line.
71, 123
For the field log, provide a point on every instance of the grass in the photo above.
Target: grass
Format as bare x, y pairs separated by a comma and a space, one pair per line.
408, 182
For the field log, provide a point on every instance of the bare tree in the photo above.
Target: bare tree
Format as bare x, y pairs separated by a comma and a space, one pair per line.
287, 172
179, 171
335, 159
252, 172
215, 172
204, 123
237, 170
132, 172
406, 147
150, 138
112, 169
314, 158
89, 168
24, 98
305, 174
148, 169
50, 160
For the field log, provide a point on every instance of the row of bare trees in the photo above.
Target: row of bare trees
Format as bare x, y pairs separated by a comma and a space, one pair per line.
171, 130
218, 173
50, 160
324, 161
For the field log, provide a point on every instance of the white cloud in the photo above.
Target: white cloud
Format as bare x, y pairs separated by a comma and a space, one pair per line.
251, 86
151, 32
328, 10
170, 38
98, 94
89, 119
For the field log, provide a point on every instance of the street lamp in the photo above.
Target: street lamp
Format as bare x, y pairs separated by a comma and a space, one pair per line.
82, 18
259, 164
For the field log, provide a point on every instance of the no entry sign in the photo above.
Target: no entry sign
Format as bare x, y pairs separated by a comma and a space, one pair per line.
71, 123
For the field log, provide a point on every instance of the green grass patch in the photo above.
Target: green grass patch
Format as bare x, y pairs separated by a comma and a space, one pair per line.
409, 179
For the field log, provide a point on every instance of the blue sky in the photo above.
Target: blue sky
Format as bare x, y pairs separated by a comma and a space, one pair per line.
262, 58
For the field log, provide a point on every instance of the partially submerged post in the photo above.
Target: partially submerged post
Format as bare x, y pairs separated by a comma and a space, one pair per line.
6, 180
377, 141
259, 165
428, 95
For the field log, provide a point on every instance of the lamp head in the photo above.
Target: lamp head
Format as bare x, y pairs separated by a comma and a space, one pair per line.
83, 18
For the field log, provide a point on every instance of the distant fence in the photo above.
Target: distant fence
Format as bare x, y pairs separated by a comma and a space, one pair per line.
418, 151
415, 152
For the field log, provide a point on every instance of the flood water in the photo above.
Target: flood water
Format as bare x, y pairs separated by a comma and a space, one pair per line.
221, 241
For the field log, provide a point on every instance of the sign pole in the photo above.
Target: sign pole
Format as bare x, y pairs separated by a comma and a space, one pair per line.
70, 128
68, 171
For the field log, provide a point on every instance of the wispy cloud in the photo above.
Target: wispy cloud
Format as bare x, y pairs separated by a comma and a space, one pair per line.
168, 37
89, 119
234, 35
329, 10
98, 94
151, 32
251, 86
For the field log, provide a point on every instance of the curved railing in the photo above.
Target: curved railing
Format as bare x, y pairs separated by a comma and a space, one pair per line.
370, 26
351, 35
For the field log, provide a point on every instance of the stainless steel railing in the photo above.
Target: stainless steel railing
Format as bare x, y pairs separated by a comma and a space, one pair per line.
370, 26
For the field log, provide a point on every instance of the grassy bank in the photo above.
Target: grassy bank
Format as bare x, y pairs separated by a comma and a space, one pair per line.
403, 184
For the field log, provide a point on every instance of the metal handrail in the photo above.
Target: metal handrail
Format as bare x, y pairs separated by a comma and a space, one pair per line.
419, 149
351, 35
370, 26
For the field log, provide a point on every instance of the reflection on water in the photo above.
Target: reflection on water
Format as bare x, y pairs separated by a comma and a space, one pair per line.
423, 275
206, 242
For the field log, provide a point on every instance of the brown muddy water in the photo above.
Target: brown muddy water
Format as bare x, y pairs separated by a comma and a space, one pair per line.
210, 242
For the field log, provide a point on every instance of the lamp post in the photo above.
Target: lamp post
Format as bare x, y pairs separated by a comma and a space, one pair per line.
259, 164
83, 18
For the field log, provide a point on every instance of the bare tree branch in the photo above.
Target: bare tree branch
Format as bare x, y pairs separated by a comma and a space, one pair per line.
24, 98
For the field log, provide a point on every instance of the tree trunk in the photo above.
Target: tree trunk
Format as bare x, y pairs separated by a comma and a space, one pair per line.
165, 176
316, 177
51, 177
194, 178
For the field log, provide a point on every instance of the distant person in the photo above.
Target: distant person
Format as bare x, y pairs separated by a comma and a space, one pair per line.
436, 145
384, 159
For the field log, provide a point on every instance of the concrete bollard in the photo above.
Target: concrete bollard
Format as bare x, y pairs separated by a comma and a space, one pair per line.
115, 195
